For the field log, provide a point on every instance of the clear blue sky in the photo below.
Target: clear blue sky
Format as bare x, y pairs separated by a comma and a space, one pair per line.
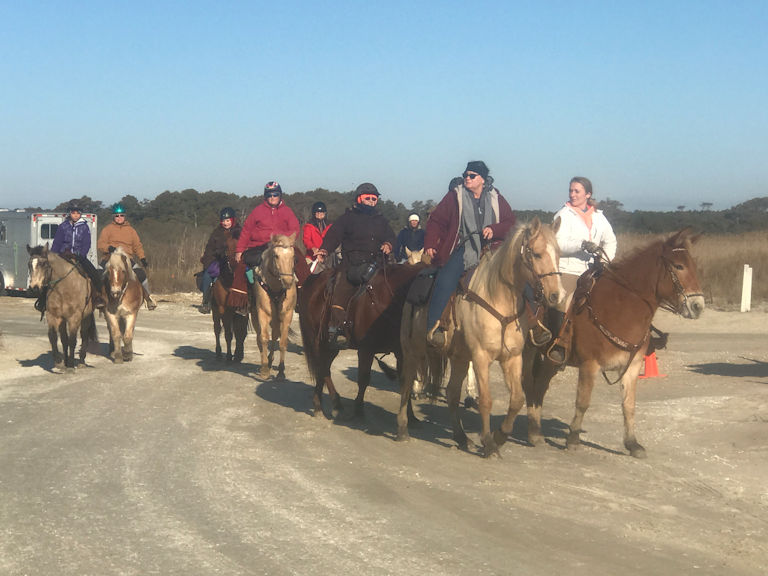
660, 103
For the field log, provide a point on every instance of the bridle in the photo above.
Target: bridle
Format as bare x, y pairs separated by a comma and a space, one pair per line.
277, 296
124, 284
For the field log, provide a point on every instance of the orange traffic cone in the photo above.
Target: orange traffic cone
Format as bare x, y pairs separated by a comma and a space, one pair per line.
651, 369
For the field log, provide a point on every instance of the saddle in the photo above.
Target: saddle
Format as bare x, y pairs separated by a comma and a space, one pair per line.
584, 287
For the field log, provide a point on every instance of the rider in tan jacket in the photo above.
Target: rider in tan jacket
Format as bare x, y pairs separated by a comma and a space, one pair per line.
120, 234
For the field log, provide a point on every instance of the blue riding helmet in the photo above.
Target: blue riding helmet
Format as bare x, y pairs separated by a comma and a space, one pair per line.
118, 209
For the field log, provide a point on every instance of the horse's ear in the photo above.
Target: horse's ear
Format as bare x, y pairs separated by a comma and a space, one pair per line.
408, 251
682, 236
292, 238
556, 225
29, 250
535, 226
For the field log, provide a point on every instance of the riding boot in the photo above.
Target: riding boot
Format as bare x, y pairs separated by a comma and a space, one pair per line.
436, 336
151, 304
42, 300
338, 326
538, 334
205, 308
560, 347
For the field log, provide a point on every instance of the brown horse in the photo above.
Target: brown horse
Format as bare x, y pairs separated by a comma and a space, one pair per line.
611, 329
69, 306
124, 299
224, 316
488, 324
374, 312
274, 300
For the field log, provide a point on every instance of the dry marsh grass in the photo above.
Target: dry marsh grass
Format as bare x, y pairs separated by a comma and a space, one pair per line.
174, 255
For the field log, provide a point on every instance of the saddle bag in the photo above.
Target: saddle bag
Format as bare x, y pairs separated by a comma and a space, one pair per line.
421, 287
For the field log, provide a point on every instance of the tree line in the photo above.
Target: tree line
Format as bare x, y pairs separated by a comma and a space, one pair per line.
192, 209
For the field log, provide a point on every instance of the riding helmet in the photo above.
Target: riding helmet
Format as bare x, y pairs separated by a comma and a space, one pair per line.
74, 207
365, 188
226, 213
319, 207
118, 209
271, 187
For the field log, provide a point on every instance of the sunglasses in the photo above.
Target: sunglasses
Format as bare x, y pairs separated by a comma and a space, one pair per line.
369, 197
271, 194
470, 175
119, 215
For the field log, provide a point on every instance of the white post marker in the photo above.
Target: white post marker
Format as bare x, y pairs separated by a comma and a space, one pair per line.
746, 289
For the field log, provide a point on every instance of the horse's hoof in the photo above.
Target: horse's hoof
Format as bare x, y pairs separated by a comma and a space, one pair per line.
402, 435
264, 374
573, 442
637, 451
118, 359
535, 439
470, 403
280, 376
499, 438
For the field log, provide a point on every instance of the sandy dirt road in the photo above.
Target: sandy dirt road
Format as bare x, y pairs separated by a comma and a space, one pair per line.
179, 464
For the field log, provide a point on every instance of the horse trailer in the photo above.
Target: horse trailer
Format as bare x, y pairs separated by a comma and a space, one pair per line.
19, 229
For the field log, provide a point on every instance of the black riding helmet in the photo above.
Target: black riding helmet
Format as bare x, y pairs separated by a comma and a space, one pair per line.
226, 213
319, 207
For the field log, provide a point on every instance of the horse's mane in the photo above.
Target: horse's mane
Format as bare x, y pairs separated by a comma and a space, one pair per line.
497, 267
38, 251
120, 260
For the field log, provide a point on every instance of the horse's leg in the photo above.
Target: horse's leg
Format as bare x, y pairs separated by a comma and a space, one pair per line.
217, 329
482, 366
53, 338
410, 367
240, 330
285, 324
115, 339
263, 332
228, 321
512, 366
459, 368
628, 390
73, 329
67, 346
587, 374
130, 324
364, 363
537, 373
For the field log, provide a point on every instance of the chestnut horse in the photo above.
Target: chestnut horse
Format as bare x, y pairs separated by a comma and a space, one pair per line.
611, 328
69, 306
274, 300
488, 324
224, 316
124, 299
374, 312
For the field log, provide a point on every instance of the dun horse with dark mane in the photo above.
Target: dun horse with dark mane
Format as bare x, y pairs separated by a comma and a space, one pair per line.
69, 306
611, 318
223, 315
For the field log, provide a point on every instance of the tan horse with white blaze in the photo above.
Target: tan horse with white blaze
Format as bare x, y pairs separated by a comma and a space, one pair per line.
274, 300
124, 299
488, 324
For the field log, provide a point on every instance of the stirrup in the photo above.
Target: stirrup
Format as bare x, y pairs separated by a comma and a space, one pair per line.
557, 354
539, 335
151, 304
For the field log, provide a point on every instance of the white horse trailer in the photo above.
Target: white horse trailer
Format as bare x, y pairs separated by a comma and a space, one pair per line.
19, 229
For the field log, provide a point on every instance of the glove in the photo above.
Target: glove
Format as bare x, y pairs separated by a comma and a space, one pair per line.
590, 247
111, 249
144, 263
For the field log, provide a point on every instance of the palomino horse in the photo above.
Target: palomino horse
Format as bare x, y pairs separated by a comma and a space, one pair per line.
374, 312
274, 300
124, 299
69, 306
488, 323
234, 324
413, 256
611, 328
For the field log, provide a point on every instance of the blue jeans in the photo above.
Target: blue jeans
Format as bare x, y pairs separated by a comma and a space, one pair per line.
447, 279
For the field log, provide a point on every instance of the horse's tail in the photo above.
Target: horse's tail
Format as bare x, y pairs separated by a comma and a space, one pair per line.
389, 372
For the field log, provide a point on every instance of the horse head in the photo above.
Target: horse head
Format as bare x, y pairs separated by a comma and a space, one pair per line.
413, 256
679, 289
540, 258
39, 267
278, 259
117, 272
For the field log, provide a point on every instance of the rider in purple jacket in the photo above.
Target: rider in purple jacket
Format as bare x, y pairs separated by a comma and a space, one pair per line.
73, 236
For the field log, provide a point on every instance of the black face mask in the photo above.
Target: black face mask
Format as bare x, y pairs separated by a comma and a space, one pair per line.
365, 209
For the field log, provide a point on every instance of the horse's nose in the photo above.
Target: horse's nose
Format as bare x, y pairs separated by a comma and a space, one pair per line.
554, 297
697, 306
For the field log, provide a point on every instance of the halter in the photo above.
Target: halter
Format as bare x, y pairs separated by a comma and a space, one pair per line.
124, 285
679, 289
526, 254
277, 296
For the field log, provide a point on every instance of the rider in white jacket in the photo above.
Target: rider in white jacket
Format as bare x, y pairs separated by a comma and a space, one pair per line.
583, 229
